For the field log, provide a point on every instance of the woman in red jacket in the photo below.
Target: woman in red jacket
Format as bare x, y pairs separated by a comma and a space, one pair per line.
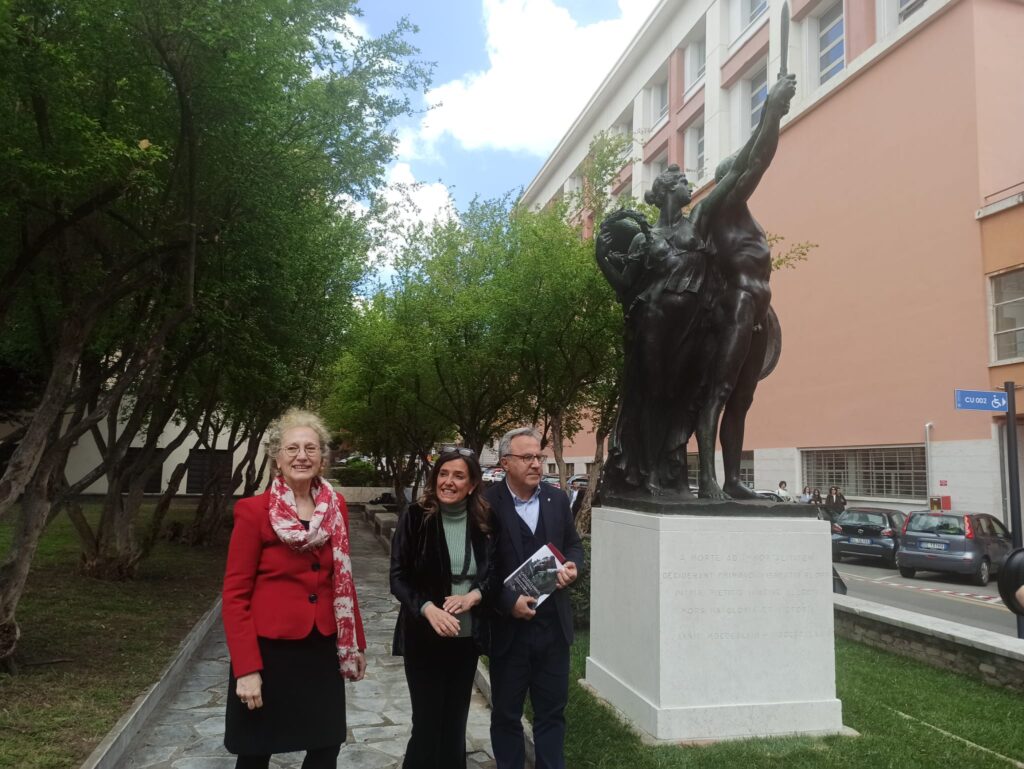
290, 611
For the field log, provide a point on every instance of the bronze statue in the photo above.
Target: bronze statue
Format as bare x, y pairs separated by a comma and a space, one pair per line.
699, 329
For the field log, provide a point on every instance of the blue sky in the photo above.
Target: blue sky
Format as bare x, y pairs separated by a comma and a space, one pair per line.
510, 77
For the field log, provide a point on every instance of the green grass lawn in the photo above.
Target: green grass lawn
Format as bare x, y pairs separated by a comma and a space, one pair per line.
872, 685
116, 637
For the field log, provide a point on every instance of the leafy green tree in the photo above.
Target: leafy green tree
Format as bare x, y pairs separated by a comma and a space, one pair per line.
172, 175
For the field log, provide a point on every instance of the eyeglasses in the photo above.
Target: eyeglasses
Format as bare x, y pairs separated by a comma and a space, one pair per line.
529, 459
462, 452
293, 451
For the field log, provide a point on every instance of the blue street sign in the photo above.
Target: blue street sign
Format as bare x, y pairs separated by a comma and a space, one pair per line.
980, 400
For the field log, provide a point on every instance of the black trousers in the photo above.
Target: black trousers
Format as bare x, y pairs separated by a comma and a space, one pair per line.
320, 758
537, 662
440, 681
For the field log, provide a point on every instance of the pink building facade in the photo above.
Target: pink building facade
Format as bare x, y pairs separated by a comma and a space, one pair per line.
902, 158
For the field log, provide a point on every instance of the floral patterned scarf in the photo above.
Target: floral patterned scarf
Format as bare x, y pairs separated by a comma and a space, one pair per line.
327, 524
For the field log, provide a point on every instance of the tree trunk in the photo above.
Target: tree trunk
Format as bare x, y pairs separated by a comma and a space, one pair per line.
583, 518
162, 506
23, 462
556, 450
29, 525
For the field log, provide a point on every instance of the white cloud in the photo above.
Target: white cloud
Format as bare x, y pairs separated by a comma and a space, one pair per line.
544, 66
409, 203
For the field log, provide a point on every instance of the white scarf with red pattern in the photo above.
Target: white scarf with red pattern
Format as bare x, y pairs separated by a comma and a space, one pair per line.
327, 524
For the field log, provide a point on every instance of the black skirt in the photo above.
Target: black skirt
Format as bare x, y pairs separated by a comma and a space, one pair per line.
303, 700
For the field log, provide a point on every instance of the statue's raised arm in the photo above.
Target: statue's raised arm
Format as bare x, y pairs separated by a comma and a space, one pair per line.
738, 175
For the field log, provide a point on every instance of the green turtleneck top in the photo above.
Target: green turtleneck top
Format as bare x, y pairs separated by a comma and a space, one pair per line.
453, 521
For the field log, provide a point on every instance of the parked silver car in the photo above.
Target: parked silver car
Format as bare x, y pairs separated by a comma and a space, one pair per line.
961, 543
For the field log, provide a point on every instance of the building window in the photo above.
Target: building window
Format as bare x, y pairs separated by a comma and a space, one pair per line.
758, 95
570, 468
699, 141
747, 468
891, 472
203, 464
831, 42
154, 484
696, 62
589, 467
752, 9
660, 101
552, 468
907, 7
694, 150
1008, 315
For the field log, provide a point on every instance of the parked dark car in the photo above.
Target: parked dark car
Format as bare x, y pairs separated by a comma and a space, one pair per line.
975, 544
869, 532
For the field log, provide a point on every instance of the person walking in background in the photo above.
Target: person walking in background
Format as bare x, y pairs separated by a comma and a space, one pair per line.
441, 573
805, 495
816, 497
530, 643
783, 492
291, 615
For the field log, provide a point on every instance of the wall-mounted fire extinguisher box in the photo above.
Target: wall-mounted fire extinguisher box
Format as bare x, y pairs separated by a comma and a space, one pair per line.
944, 502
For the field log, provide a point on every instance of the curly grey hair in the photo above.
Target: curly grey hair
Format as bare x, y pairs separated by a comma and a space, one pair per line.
505, 444
291, 419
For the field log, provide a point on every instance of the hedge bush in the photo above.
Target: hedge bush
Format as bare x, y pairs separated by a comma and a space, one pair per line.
580, 592
357, 474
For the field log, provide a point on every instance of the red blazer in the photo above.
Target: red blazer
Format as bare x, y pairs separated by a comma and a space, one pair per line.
273, 591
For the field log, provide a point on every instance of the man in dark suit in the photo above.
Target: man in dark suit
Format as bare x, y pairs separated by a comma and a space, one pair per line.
530, 643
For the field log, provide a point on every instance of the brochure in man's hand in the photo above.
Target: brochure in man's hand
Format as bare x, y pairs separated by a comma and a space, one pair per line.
537, 575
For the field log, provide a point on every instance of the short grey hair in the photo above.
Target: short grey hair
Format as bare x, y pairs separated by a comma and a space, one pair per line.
505, 444
291, 419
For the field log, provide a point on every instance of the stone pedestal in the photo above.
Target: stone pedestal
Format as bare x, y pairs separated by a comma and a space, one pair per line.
714, 627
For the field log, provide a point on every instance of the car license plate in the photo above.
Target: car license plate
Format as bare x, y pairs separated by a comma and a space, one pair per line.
859, 541
932, 545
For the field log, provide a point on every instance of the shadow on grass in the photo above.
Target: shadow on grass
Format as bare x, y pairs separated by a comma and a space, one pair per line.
90, 647
874, 687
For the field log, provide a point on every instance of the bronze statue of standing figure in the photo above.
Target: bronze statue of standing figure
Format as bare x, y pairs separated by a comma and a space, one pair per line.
699, 328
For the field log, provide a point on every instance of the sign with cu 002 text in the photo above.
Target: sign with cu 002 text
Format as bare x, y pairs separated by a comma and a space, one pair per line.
980, 400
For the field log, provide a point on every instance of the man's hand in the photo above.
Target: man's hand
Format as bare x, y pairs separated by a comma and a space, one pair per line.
249, 689
782, 94
444, 624
567, 574
523, 608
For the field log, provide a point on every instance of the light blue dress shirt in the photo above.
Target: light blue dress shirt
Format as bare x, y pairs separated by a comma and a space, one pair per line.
528, 509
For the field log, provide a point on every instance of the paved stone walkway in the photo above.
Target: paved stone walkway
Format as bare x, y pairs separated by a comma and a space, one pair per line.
188, 731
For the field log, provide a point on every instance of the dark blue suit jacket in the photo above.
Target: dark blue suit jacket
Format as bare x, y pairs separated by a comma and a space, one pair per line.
560, 531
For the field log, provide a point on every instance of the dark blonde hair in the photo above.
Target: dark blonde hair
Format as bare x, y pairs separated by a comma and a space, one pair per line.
476, 506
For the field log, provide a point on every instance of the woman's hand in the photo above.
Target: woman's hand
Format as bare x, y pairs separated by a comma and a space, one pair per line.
360, 667
460, 604
444, 624
249, 689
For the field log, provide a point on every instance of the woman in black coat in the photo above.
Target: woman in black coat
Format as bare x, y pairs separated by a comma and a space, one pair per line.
441, 558
835, 499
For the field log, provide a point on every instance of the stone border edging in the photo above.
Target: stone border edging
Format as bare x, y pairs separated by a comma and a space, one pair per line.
111, 750
483, 683
991, 657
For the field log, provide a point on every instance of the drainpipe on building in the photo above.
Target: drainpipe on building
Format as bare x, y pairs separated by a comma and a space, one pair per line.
928, 456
